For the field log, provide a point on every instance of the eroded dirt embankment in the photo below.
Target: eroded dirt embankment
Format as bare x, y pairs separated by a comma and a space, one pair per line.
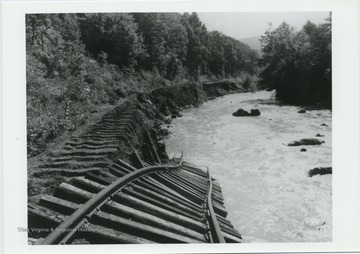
118, 134
217, 89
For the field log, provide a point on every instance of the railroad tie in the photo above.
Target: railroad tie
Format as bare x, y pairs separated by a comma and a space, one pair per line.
171, 203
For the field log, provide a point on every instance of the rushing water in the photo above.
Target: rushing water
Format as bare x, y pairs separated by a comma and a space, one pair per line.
267, 191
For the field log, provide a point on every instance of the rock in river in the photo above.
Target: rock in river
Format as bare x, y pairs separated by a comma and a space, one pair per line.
255, 112
241, 112
320, 171
306, 142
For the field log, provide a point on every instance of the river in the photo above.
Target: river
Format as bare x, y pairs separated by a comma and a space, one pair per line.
269, 196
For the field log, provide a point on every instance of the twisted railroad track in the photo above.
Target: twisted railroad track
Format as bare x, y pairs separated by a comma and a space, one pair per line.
103, 199
173, 203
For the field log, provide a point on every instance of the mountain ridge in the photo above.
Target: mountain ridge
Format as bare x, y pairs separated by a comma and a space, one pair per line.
253, 42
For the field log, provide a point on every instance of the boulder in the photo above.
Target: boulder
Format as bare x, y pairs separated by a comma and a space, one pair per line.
241, 112
255, 112
324, 124
306, 142
320, 171
302, 150
319, 135
302, 111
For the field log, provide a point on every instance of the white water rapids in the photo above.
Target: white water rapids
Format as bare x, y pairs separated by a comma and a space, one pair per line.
267, 192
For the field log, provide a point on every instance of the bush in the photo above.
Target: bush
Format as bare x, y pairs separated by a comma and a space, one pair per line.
249, 82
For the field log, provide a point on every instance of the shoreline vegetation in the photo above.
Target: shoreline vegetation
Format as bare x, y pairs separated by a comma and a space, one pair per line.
77, 63
144, 113
82, 66
297, 64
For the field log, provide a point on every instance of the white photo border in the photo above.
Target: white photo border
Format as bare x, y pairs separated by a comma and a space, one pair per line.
346, 175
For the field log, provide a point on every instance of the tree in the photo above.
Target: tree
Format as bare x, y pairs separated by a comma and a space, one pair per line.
319, 41
55, 41
116, 35
197, 52
216, 58
165, 41
298, 64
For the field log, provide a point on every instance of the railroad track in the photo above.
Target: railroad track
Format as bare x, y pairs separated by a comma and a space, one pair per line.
103, 199
172, 203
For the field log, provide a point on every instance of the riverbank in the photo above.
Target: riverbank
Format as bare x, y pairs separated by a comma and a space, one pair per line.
266, 186
137, 115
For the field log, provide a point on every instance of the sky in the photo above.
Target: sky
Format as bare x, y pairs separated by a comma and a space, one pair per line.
248, 24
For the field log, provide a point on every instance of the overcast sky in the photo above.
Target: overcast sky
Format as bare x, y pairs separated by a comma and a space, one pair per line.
248, 24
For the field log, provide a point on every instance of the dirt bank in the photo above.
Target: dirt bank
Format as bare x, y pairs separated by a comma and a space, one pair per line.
119, 133
219, 88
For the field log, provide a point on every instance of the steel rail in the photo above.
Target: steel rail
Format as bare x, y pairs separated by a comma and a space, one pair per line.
216, 232
72, 222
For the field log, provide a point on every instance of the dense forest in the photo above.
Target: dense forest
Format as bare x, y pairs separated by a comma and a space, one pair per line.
297, 64
76, 62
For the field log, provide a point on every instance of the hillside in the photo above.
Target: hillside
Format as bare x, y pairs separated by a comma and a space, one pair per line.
253, 42
78, 63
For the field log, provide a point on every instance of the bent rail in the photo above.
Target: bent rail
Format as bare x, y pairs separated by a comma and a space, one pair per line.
217, 235
72, 222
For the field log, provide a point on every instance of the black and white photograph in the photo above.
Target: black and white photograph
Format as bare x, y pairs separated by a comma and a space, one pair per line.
184, 126
114, 98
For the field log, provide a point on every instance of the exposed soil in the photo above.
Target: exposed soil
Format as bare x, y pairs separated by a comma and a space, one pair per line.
217, 89
116, 133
